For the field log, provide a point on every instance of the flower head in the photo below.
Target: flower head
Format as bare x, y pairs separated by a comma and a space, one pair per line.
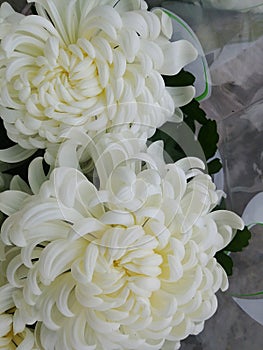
127, 266
8, 339
88, 65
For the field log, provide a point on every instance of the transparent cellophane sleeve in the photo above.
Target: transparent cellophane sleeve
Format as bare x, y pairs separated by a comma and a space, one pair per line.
231, 34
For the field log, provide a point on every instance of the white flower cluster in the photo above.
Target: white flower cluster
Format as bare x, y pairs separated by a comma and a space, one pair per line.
124, 259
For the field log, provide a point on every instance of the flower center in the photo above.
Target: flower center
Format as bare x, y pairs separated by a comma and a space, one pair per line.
64, 83
117, 265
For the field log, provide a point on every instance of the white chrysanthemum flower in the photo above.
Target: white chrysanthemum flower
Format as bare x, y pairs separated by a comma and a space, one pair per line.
124, 267
8, 339
87, 65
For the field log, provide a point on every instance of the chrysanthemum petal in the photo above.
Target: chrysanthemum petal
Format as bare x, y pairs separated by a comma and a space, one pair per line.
176, 55
12, 201
15, 154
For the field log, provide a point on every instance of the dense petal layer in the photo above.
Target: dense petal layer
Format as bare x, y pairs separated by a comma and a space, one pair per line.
127, 266
86, 65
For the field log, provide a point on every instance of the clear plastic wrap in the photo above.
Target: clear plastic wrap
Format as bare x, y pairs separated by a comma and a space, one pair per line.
232, 39
233, 44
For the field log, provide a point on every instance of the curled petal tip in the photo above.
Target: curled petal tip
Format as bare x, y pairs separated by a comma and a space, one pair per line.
177, 55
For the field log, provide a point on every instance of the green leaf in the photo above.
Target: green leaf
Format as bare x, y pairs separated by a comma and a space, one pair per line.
221, 205
225, 261
5, 141
240, 241
214, 166
191, 123
194, 111
208, 138
183, 78
171, 147
33, 9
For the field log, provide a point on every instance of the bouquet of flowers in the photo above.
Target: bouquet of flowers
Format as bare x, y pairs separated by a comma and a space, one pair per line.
112, 236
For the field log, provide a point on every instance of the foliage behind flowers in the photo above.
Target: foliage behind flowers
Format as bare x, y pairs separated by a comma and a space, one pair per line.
108, 246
